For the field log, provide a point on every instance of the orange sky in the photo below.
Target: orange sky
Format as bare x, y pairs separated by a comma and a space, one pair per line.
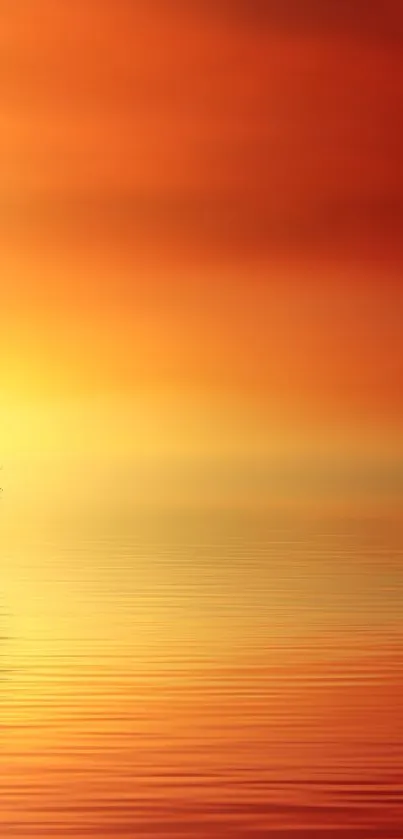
202, 204
251, 133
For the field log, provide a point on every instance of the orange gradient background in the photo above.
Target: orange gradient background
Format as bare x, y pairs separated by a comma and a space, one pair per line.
201, 296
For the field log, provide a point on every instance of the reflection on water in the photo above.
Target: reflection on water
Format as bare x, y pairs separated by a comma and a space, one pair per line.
204, 676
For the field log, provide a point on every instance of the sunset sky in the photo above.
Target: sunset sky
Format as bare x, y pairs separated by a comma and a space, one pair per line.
200, 240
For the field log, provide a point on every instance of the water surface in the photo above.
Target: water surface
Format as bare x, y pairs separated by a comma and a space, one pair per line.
203, 675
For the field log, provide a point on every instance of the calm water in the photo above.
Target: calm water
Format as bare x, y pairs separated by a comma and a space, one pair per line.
203, 676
